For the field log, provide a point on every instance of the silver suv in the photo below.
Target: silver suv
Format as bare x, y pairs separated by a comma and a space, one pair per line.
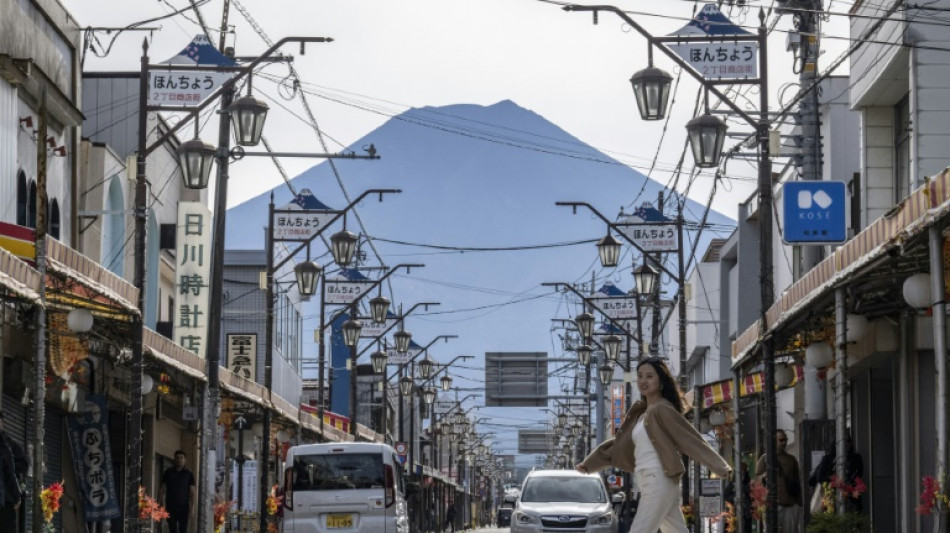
563, 501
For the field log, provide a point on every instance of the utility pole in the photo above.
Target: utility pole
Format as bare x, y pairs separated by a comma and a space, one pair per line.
806, 20
658, 258
39, 370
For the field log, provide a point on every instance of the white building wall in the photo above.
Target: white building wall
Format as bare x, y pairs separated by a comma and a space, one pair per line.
873, 62
8, 142
931, 96
877, 162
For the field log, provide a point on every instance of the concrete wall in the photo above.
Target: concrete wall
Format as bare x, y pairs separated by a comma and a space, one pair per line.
44, 32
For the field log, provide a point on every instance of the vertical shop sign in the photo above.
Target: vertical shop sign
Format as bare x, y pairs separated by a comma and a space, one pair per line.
192, 276
242, 355
92, 459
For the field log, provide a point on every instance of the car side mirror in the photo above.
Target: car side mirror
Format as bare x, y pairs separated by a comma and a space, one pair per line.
618, 498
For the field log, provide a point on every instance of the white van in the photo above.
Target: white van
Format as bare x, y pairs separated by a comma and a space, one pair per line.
351, 487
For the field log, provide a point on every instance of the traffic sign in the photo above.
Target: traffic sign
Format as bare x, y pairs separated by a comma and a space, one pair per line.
814, 212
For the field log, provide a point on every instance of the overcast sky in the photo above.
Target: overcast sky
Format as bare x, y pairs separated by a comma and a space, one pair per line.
389, 56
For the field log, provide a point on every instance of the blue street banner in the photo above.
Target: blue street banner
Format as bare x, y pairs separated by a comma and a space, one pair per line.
92, 459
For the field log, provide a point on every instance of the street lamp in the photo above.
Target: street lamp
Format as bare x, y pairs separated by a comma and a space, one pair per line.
651, 86
247, 117
196, 158
583, 354
644, 278
428, 395
446, 382
379, 360
402, 339
585, 324
707, 133
425, 368
612, 347
405, 385
307, 274
379, 308
562, 419
343, 246
351, 332
609, 250
606, 374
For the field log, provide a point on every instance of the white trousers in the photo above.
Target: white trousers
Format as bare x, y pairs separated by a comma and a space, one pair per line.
660, 504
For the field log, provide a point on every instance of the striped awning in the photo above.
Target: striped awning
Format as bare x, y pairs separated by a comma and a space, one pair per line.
913, 216
88, 279
18, 279
722, 391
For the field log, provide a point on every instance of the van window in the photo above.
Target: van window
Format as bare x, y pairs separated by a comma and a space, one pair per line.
338, 471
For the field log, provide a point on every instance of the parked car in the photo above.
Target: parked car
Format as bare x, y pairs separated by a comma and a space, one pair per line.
355, 487
563, 500
503, 516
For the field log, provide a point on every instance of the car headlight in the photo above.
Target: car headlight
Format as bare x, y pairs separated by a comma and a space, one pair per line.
524, 518
602, 520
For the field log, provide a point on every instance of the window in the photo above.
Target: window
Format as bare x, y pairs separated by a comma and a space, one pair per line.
338, 472
902, 133
31, 206
54, 225
21, 198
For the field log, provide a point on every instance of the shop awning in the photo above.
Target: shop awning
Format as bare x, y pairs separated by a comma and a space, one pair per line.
18, 279
914, 215
719, 392
173, 355
83, 277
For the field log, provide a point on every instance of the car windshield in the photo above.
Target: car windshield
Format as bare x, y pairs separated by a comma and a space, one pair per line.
340, 471
564, 489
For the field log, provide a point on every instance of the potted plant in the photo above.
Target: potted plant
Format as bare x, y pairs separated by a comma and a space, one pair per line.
828, 521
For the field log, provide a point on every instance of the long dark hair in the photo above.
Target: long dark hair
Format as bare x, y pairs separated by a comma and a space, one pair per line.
668, 387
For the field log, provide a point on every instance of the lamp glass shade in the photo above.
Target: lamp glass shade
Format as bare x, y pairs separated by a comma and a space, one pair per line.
428, 395
351, 332
446, 382
562, 419
402, 339
196, 158
343, 246
608, 248
585, 324
378, 309
583, 355
405, 385
856, 326
425, 368
282, 436
606, 374
717, 417
247, 119
454, 437
79, 320
818, 354
379, 360
651, 87
644, 277
307, 274
916, 291
612, 346
783, 376
707, 134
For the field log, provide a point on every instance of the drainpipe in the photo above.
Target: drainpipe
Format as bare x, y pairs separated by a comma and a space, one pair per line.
940, 355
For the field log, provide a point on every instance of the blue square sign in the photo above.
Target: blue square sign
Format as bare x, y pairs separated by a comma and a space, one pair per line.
814, 212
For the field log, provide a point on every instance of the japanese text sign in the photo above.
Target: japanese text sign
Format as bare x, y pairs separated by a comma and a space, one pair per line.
722, 60
192, 276
242, 354
92, 459
615, 307
183, 88
652, 237
337, 291
300, 225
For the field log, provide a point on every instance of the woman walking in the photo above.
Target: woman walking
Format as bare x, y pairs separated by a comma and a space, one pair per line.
649, 443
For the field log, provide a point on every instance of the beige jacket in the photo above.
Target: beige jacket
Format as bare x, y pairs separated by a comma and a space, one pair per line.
671, 434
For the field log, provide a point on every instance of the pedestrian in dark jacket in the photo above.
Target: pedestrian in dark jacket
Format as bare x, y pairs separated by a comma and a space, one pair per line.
13, 465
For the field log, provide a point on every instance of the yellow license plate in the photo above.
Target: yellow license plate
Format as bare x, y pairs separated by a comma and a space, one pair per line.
339, 520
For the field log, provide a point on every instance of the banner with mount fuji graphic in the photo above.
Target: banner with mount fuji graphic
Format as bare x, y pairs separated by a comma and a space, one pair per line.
735, 56
181, 88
